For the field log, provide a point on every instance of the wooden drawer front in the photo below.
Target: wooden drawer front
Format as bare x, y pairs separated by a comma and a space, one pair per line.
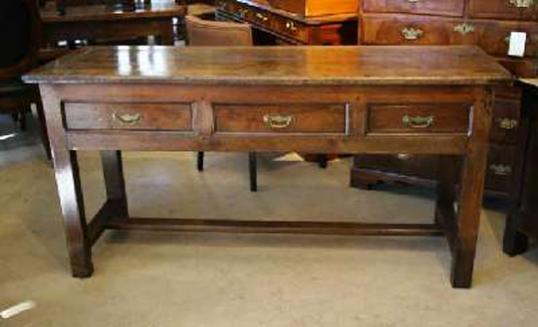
494, 37
500, 167
419, 118
128, 116
506, 120
286, 118
408, 29
507, 9
435, 7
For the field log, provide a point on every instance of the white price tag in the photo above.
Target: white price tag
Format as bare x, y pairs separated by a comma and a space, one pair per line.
517, 44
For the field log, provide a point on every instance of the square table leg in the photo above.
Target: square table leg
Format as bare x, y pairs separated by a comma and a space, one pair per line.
471, 193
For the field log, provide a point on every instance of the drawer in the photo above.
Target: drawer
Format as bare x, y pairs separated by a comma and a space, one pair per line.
388, 29
285, 118
500, 167
431, 7
494, 37
504, 9
128, 116
419, 118
506, 119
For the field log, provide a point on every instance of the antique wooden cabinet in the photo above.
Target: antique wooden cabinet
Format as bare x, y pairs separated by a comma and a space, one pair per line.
487, 23
314, 22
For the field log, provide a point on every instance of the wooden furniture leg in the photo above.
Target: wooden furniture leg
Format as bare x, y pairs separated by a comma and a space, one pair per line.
200, 161
115, 182
514, 242
69, 189
253, 171
43, 127
470, 197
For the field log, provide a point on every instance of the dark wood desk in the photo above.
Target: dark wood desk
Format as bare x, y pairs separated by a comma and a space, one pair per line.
522, 221
100, 22
426, 100
291, 28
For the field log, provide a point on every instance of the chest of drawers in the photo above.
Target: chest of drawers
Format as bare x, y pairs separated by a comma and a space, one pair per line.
487, 23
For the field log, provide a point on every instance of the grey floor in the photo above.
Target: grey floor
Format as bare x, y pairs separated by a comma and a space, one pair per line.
166, 279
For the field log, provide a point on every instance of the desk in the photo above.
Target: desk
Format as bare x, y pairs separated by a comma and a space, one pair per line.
522, 220
98, 21
426, 100
291, 28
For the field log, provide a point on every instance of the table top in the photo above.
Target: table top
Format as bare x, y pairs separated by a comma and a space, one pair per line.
308, 65
158, 8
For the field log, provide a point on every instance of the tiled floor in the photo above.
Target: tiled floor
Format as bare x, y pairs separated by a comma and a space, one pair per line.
165, 279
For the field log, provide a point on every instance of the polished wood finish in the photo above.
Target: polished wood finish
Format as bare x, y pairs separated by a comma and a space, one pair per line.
486, 23
522, 220
313, 8
96, 22
445, 7
287, 27
344, 81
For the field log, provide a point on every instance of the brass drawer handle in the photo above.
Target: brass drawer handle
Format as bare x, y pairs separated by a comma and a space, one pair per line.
412, 34
291, 26
521, 3
278, 121
413, 1
418, 122
507, 123
127, 119
464, 28
262, 17
500, 170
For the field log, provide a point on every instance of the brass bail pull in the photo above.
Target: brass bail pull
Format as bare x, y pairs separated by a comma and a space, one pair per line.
278, 121
418, 121
126, 118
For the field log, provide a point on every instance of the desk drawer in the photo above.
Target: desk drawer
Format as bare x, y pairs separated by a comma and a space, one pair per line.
285, 118
433, 7
419, 118
389, 29
128, 116
504, 9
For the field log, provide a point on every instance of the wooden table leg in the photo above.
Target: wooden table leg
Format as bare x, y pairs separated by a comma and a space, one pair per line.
470, 197
115, 181
72, 204
69, 188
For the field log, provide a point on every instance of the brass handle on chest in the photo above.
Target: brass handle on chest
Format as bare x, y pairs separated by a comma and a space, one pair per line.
411, 33
507, 123
418, 122
500, 170
278, 121
464, 28
262, 17
127, 119
521, 3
